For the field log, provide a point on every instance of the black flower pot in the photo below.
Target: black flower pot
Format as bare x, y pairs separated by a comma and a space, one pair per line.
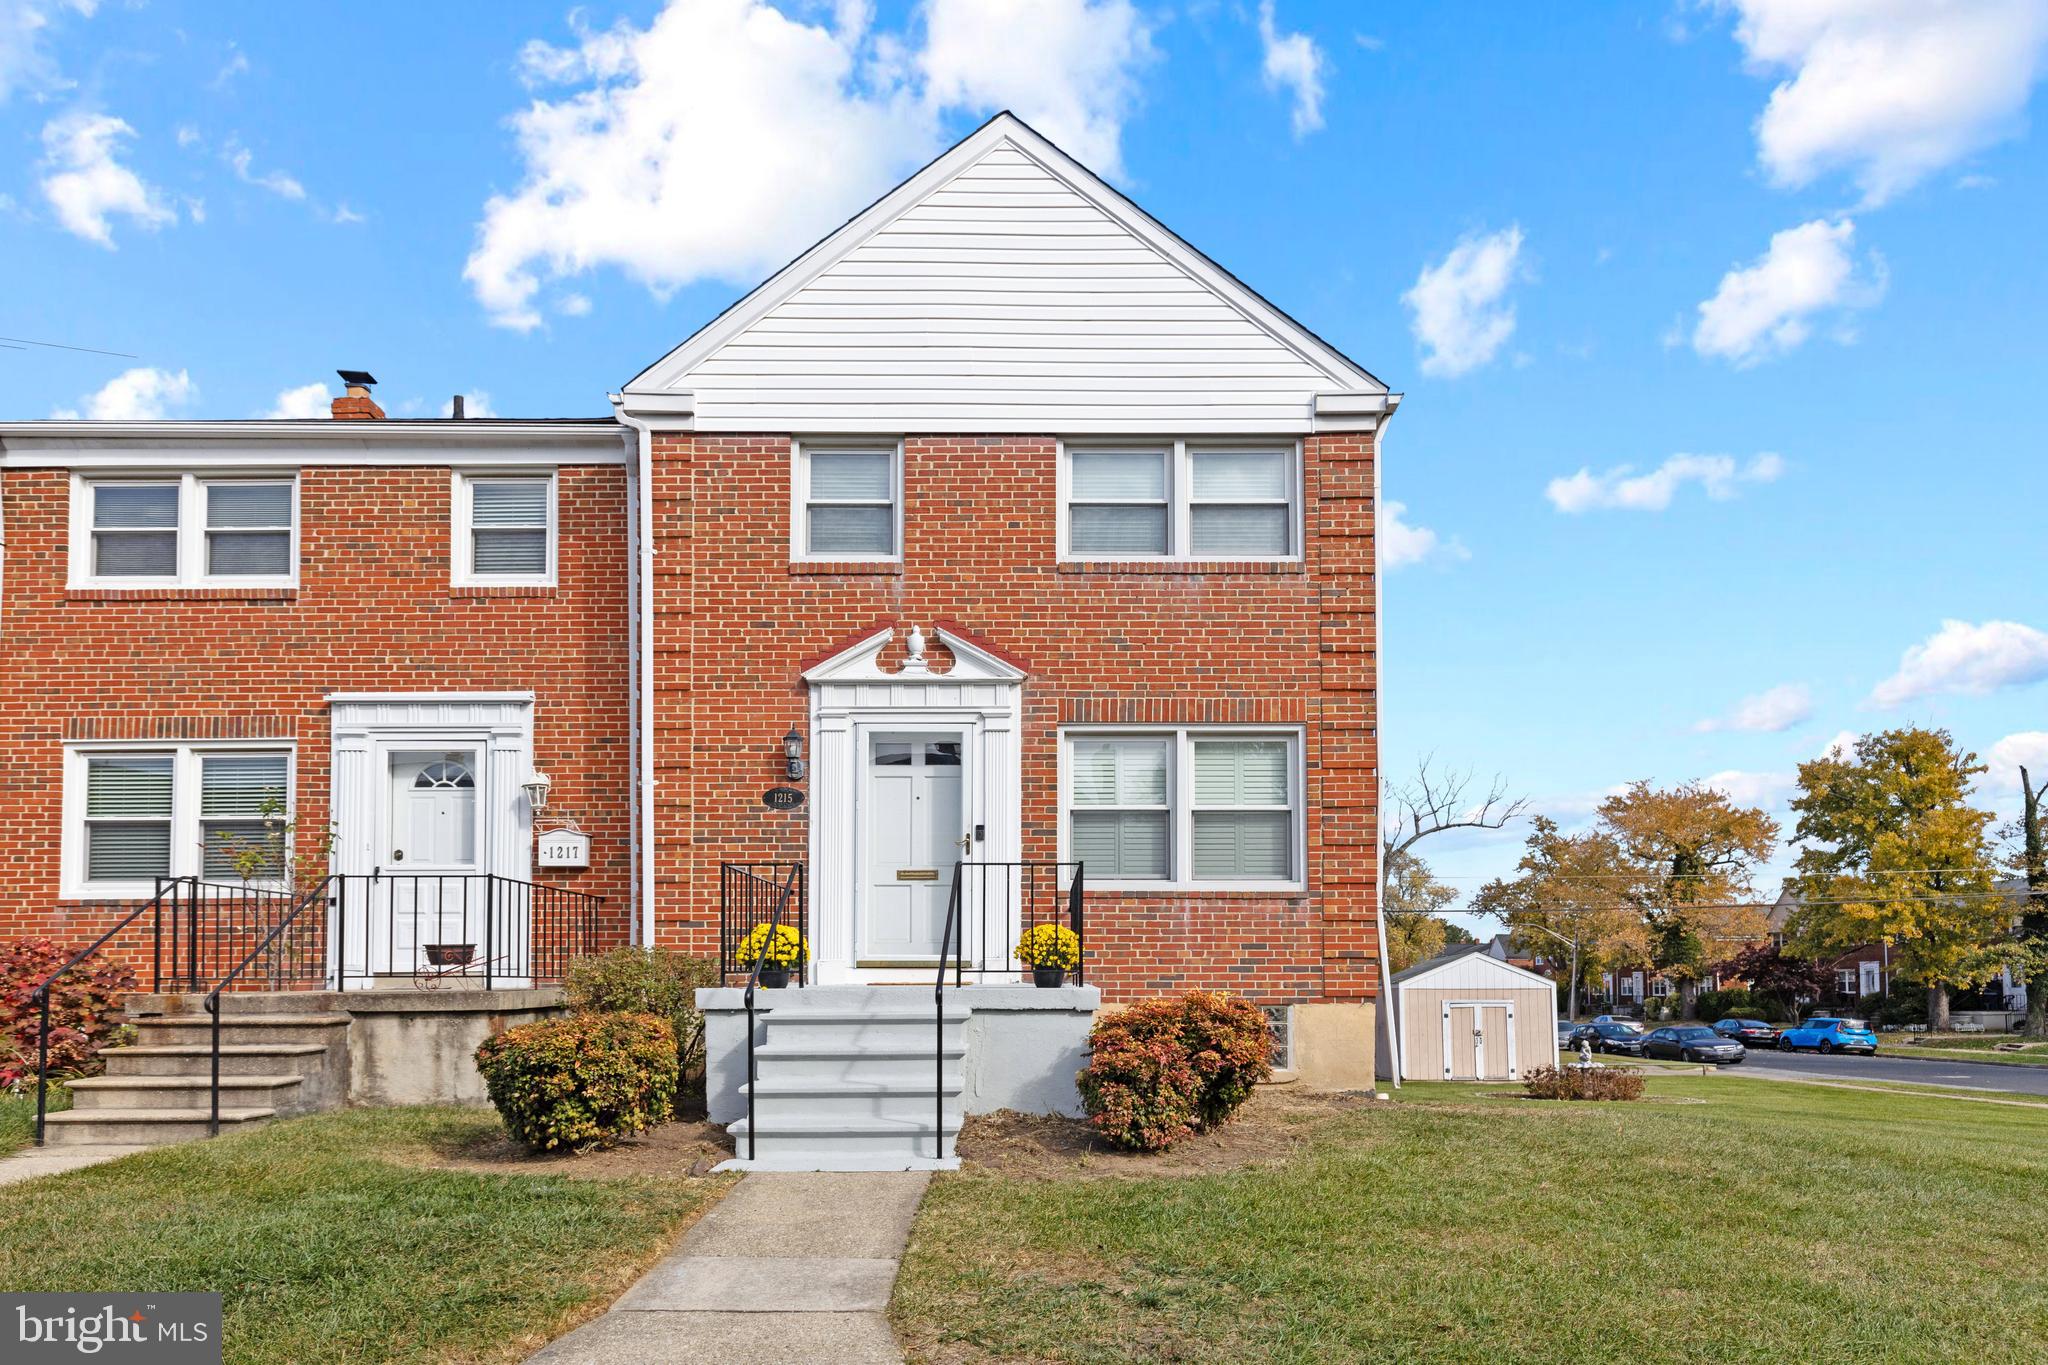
775, 978
1048, 977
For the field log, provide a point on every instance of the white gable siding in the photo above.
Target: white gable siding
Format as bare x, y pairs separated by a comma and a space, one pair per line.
1005, 300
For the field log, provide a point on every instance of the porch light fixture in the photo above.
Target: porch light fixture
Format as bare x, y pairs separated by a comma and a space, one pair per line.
536, 788
793, 755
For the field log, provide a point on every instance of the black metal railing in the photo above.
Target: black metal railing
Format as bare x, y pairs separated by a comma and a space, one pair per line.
1026, 895
477, 927
788, 890
749, 895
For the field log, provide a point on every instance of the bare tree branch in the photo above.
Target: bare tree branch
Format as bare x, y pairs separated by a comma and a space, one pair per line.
1432, 802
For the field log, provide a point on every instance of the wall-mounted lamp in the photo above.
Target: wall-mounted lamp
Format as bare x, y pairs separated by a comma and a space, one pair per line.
793, 755
536, 788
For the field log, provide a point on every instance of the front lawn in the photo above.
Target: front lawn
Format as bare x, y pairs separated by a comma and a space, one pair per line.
1720, 1219
352, 1236
1968, 1047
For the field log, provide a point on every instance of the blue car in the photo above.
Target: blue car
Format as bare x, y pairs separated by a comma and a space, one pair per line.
1831, 1033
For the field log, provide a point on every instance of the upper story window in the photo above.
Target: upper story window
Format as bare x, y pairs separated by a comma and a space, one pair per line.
185, 530
504, 530
135, 813
848, 501
1196, 807
1180, 500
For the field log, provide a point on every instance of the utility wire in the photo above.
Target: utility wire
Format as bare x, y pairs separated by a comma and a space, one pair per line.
17, 343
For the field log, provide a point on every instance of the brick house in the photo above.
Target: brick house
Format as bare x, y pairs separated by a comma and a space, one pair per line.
1048, 540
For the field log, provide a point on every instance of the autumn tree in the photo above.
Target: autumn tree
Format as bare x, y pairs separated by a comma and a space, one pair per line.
2026, 952
1412, 903
1577, 890
1894, 853
1699, 851
1783, 976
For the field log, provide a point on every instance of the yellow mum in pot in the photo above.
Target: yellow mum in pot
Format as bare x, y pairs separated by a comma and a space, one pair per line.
1050, 945
785, 950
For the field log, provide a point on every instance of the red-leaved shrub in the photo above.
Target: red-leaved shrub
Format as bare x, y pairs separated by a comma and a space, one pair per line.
1141, 1094
1224, 1037
85, 1010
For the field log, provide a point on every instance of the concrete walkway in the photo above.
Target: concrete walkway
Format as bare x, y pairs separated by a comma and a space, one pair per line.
787, 1268
30, 1162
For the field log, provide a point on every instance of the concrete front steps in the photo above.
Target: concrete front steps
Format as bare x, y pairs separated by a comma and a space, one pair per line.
160, 1090
850, 1081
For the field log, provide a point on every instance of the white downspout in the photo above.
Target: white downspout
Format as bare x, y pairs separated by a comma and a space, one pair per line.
640, 578
1386, 1011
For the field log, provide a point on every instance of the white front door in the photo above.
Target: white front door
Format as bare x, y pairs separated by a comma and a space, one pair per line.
431, 855
915, 821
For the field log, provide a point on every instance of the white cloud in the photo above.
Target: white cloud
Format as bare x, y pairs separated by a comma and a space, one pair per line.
1961, 657
1401, 544
2028, 749
1067, 67
307, 400
345, 215
573, 304
1768, 712
142, 394
1768, 307
85, 183
1293, 62
188, 136
277, 182
1754, 789
25, 61
1842, 746
1460, 317
1621, 488
475, 403
237, 65
726, 136
1888, 90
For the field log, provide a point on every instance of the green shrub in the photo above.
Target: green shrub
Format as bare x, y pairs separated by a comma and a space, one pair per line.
1140, 1094
657, 981
1735, 1002
1225, 1039
85, 1010
584, 1081
1582, 1083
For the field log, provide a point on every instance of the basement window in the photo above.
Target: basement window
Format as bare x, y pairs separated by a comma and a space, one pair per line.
185, 530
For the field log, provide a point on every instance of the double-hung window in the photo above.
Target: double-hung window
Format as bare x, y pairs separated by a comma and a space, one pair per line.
504, 530
140, 812
185, 530
1180, 500
848, 503
1195, 807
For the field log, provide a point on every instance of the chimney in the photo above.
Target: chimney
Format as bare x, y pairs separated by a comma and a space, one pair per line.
455, 407
356, 405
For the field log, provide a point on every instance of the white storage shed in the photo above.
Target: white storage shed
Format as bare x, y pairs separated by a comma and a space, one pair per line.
1467, 1016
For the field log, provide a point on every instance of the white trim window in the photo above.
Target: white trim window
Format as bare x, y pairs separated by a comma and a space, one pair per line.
137, 812
846, 501
505, 530
1196, 807
185, 530
1187, 500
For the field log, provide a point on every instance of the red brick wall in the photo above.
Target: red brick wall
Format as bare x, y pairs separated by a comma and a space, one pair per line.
373, 611
1292, 644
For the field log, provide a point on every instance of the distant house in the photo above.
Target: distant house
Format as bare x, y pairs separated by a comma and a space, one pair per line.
1867, 968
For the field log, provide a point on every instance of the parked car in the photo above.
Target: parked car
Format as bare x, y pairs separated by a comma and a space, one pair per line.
1612, 1019
1625, 1039
1831, 1033
1748, 1032
1692, 1043
1566, 1030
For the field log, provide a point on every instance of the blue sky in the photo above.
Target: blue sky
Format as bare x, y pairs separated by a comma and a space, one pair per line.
1793, 243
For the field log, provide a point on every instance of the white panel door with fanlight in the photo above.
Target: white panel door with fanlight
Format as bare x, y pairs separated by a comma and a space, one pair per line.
915, 828
431, 893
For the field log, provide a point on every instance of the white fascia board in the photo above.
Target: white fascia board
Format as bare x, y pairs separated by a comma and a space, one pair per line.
663, 375
665, 410
1351, 411
186, 445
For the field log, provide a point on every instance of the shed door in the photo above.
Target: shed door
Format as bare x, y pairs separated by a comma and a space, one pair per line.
1461, 1043
1494, 1023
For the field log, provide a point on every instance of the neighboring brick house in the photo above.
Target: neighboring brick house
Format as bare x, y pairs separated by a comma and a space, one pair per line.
1050, 540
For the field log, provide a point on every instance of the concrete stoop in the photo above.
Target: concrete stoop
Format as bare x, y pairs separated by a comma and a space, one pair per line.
851, 1081
160, 1090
